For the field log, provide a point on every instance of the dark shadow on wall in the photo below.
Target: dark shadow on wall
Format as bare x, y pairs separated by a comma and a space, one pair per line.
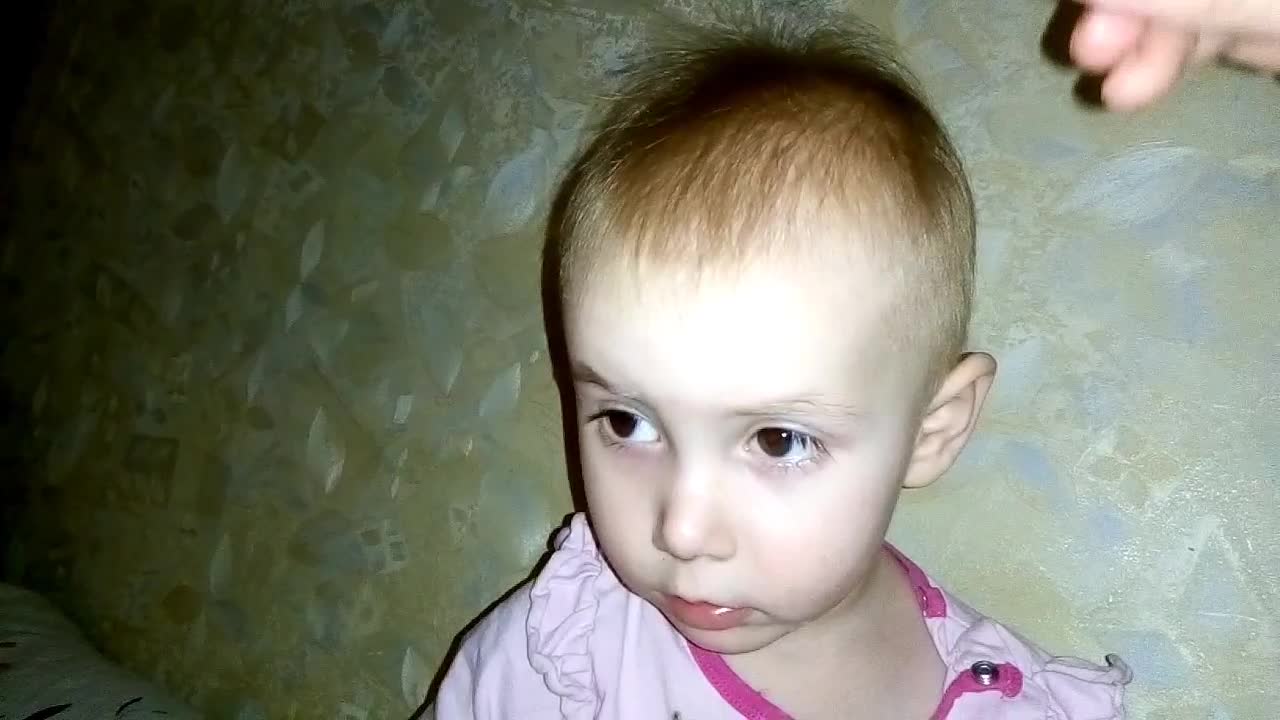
24, 35
15, 468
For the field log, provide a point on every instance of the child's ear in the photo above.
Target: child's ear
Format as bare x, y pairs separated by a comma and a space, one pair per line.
950, 418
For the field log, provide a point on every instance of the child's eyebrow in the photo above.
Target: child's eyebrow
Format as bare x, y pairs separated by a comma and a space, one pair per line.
813, 407
584, 373
802, 406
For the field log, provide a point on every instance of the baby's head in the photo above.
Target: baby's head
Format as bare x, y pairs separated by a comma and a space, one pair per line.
765, 265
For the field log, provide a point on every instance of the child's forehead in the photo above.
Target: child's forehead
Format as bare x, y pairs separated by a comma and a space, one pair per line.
751, 339
839, 288
792, 302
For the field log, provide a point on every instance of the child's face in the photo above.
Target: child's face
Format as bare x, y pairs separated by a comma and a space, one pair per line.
743, 443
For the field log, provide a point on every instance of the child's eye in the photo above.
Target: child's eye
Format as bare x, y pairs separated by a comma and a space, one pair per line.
628, 427
789, 447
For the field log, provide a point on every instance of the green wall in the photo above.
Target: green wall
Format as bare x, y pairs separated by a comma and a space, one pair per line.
276, 340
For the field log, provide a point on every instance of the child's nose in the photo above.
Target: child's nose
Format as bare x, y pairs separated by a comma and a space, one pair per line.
692, 523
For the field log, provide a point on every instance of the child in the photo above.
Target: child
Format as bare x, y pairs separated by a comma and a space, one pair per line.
765, 266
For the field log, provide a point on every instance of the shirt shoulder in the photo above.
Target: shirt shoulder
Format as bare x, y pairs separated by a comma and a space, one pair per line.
573, 644
490, 676
994, 673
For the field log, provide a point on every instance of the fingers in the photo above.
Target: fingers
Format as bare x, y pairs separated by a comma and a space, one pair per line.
1143, 47
1150, 70
1102, 39
1252, 16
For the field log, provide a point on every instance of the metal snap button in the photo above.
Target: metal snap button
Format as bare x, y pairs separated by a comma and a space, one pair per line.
985, 672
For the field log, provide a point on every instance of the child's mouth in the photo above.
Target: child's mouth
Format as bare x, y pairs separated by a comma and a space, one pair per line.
703, 616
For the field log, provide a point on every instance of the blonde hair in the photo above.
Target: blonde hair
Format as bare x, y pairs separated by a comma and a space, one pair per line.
726, 149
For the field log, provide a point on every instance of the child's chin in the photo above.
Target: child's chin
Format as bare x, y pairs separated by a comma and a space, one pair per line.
737, 641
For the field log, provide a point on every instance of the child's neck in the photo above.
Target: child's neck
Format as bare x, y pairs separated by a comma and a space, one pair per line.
872, 654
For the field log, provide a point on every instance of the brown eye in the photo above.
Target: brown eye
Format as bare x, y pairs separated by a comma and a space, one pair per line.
628, 427
777, 442
622, 424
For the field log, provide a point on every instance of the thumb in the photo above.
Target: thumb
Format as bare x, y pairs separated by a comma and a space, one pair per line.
1260, 17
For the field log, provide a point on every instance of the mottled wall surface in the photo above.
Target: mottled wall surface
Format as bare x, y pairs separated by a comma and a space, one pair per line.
275, 316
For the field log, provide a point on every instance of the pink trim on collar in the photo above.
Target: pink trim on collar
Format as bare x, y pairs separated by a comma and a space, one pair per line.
754, 706
932, 602
735, 691
1009, 684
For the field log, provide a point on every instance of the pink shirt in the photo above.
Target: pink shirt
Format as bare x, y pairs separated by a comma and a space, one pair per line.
577, 645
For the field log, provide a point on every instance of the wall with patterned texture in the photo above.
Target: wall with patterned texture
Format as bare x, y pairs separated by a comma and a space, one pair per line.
275, 339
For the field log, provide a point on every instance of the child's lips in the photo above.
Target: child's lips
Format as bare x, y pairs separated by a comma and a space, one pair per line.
703, 615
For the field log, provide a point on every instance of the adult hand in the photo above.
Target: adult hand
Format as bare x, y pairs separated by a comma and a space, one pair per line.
1144, 46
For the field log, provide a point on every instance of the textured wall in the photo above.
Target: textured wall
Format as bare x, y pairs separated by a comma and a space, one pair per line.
276, 326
